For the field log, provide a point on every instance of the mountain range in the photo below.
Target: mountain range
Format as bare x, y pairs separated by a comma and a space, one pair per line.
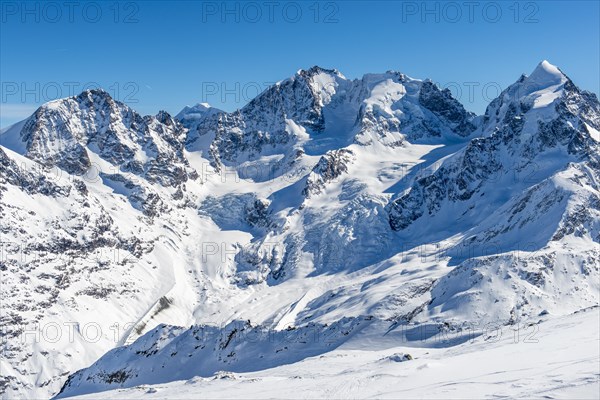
327, 212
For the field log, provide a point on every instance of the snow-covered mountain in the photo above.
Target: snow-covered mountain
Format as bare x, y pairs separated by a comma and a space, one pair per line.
325, 209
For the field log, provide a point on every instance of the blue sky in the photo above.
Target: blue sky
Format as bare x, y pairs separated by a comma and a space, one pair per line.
163, 56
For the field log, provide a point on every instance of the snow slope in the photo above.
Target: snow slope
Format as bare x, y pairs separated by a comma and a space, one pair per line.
554, 358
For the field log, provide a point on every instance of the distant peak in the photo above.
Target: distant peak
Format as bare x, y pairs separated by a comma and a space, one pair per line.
198, 107
196, 111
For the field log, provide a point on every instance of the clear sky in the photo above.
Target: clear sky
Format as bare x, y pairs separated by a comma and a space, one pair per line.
156, 55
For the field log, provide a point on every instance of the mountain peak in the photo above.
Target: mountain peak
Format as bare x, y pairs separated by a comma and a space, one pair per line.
192, 116
164, 118
97, 91
546, 74
315, 70
198, 108
545, 84
87, 97
94, 93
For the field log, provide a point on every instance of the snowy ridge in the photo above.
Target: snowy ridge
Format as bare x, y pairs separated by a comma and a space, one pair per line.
351, 209
437, 365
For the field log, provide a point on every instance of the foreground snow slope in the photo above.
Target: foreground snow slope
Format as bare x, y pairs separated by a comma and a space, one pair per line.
324, 205
555, 358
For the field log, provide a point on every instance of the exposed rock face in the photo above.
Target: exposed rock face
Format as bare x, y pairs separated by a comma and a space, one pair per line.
12, 174
447, 108
330, 166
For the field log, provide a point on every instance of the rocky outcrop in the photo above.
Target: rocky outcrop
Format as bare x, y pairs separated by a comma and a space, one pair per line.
330, 167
